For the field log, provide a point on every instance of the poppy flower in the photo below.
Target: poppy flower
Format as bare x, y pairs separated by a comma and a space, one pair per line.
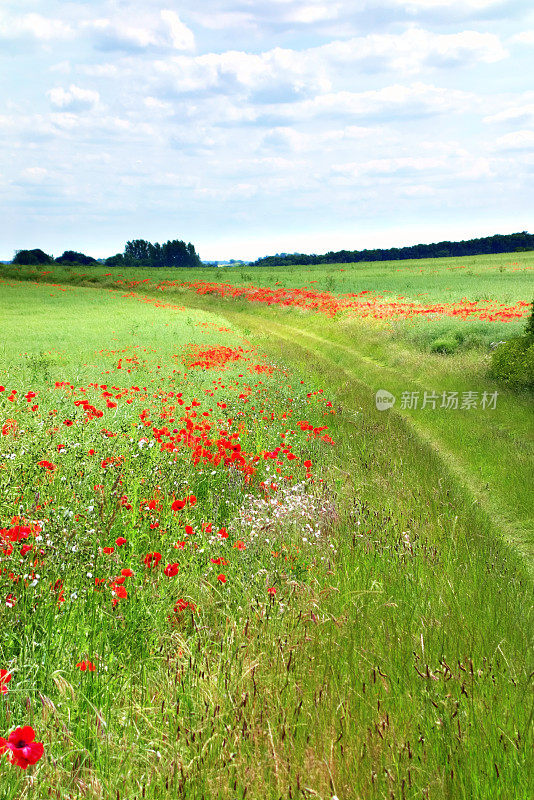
221, 578
109, 550
127, 573
182, 604
271, 590
47, 465
171, 570
24, 750
120, 541
86, 665
152, 559
5, 677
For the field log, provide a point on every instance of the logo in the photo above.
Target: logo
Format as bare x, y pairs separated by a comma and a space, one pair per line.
384, 400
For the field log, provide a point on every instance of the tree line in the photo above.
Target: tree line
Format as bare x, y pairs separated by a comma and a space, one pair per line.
137, 253
499, 243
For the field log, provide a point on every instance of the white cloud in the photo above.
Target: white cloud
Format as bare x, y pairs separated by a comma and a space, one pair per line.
418, 190
110, 35
35, 174
314, 13
182, 37
451, 6
74, 98
517, 140
525, 37
414, 50
280, 75
525, 111
153, 104
163, 30
36, 26
392, 166
393, 101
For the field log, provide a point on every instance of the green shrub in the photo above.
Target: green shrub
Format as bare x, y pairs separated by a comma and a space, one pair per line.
445, 346
513, 363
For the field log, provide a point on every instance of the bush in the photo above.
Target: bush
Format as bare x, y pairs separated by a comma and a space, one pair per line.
32, 257
513, 363
71, 257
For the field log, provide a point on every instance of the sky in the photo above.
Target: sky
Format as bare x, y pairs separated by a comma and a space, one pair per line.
254, 127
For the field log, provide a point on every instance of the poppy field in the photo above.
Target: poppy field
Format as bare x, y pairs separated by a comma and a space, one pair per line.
223, 574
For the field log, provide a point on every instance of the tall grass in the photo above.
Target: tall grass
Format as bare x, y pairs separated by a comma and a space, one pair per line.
393, 661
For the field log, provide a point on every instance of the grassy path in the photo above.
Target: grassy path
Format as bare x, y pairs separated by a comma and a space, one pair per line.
367, 375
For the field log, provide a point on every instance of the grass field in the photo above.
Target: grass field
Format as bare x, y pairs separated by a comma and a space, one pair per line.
313, 598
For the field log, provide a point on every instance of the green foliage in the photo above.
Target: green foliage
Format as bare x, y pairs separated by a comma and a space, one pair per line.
175, 253
32, 257
115, 261
518, 242
72, 257
512, 363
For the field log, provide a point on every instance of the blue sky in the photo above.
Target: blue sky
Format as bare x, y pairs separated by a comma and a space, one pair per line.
251, 127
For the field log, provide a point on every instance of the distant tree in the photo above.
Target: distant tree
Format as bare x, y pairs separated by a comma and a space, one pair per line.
489, 244
32, 257
115, 261
137, 253
175, 253
72, 257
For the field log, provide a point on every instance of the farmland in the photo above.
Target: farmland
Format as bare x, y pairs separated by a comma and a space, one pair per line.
225, 573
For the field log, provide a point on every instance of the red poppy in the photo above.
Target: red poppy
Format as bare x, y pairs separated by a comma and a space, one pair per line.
221, 578
47, 465
120, 541
109, 550
86, 665
171, 570
271, 590
182, 604
5, 677
24, 750
152, 559
127, 573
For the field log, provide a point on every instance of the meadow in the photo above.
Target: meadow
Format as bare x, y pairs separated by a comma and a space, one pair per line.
225, 573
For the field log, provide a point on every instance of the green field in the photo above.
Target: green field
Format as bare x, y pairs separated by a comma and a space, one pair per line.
372, 636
